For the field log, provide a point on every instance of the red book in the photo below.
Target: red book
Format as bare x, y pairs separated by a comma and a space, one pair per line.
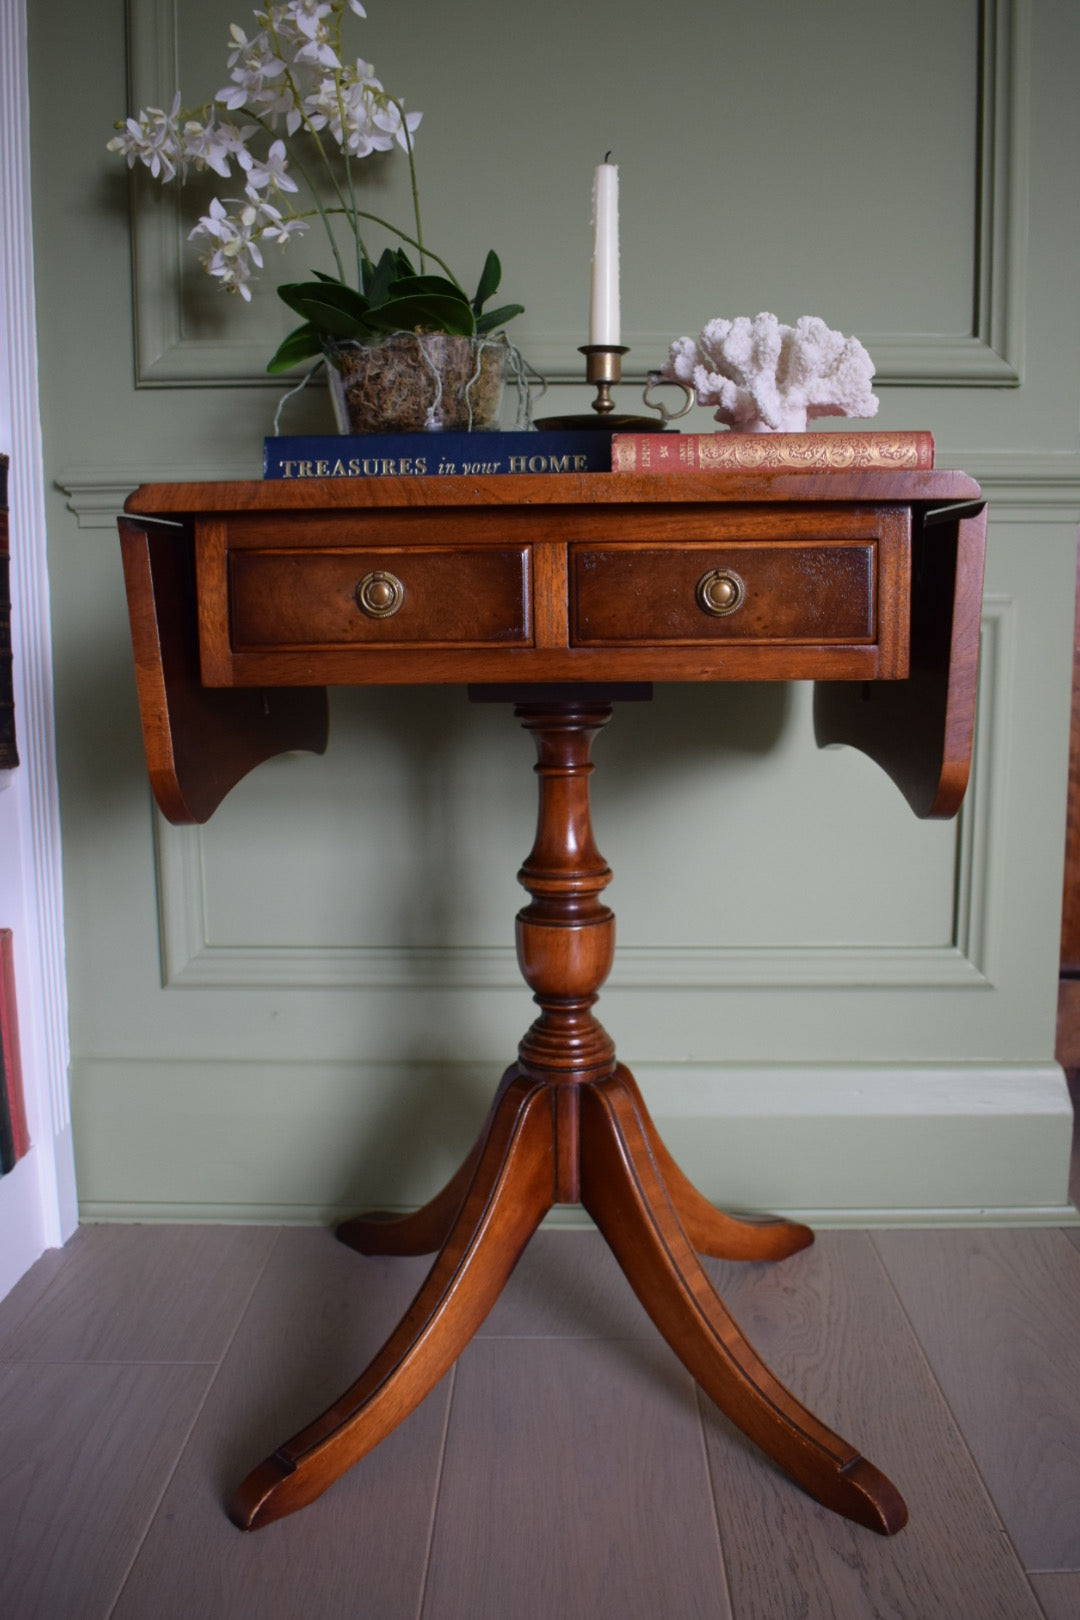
13, 1103
729, 451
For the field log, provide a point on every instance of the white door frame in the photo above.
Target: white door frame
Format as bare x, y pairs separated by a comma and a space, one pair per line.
37, 1199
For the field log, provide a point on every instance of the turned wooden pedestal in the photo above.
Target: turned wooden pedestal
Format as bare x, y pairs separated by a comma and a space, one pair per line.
254, 597
568, 1126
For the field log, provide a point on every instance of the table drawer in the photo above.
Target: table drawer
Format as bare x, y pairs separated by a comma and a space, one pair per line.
423, 596
742, 591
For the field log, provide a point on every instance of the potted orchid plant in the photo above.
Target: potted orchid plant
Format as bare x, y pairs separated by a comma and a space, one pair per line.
407, 347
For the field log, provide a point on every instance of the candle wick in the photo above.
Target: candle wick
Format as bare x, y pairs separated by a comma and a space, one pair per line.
607, 157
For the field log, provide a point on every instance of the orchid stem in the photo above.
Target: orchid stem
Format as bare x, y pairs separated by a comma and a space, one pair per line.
313, 132
323, 212
415, 187
395, 230
361, 251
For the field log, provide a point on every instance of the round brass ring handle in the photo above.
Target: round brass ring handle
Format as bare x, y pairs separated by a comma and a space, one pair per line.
380, 594
720, 592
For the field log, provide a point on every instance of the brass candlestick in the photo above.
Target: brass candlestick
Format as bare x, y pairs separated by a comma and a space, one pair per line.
603, 366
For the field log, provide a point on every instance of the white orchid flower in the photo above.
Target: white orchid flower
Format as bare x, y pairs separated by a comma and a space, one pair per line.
234, 273
273, 226
319, 53
269, 173
215, 224
309, 15
209, 145
235, 137
233, 245
308, 18
286, 72
153, 138
253, 62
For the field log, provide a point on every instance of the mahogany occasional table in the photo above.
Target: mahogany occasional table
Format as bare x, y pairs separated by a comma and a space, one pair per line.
559, 594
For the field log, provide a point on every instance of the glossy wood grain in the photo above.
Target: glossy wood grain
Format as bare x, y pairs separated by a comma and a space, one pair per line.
566, 942
451, 596
276, 594
316, 1314
935, 487
423, 1230
566, 934
999, 1316
567, 1123
635, 595
710, 1230
625, 1196
921, 731
198, 743
518, 665
565, 1455
418, 1231
479, 565
511, 1191
807, 617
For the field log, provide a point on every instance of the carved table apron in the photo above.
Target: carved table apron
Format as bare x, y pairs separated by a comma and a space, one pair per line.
560, 595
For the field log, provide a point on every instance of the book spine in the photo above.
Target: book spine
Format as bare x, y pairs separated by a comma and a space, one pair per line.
9, 756
438, 455
904, 451
8, 1158
14, 1101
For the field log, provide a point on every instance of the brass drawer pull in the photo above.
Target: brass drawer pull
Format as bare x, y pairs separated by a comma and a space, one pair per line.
720, 592
380, 594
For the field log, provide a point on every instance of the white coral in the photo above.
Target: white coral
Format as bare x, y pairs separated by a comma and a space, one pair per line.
767, 378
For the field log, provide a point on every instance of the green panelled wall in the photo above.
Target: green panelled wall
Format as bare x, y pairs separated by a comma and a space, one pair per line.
832, 1007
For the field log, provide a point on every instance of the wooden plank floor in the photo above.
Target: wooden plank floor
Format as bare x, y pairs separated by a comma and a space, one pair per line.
567, 1467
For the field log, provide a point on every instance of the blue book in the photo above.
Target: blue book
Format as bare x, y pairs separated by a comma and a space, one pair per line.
435, 455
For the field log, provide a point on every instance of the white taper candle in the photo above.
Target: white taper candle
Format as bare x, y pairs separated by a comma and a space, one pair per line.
604, 306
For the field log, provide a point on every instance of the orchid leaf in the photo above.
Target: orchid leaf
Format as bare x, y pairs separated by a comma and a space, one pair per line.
394, 299
497, 317
490, 276
425, 312
328, 295
301, 344
232, 231
426, 284
331, 320
377, 277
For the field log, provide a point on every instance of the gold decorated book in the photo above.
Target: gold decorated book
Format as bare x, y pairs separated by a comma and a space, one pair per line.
900, 451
